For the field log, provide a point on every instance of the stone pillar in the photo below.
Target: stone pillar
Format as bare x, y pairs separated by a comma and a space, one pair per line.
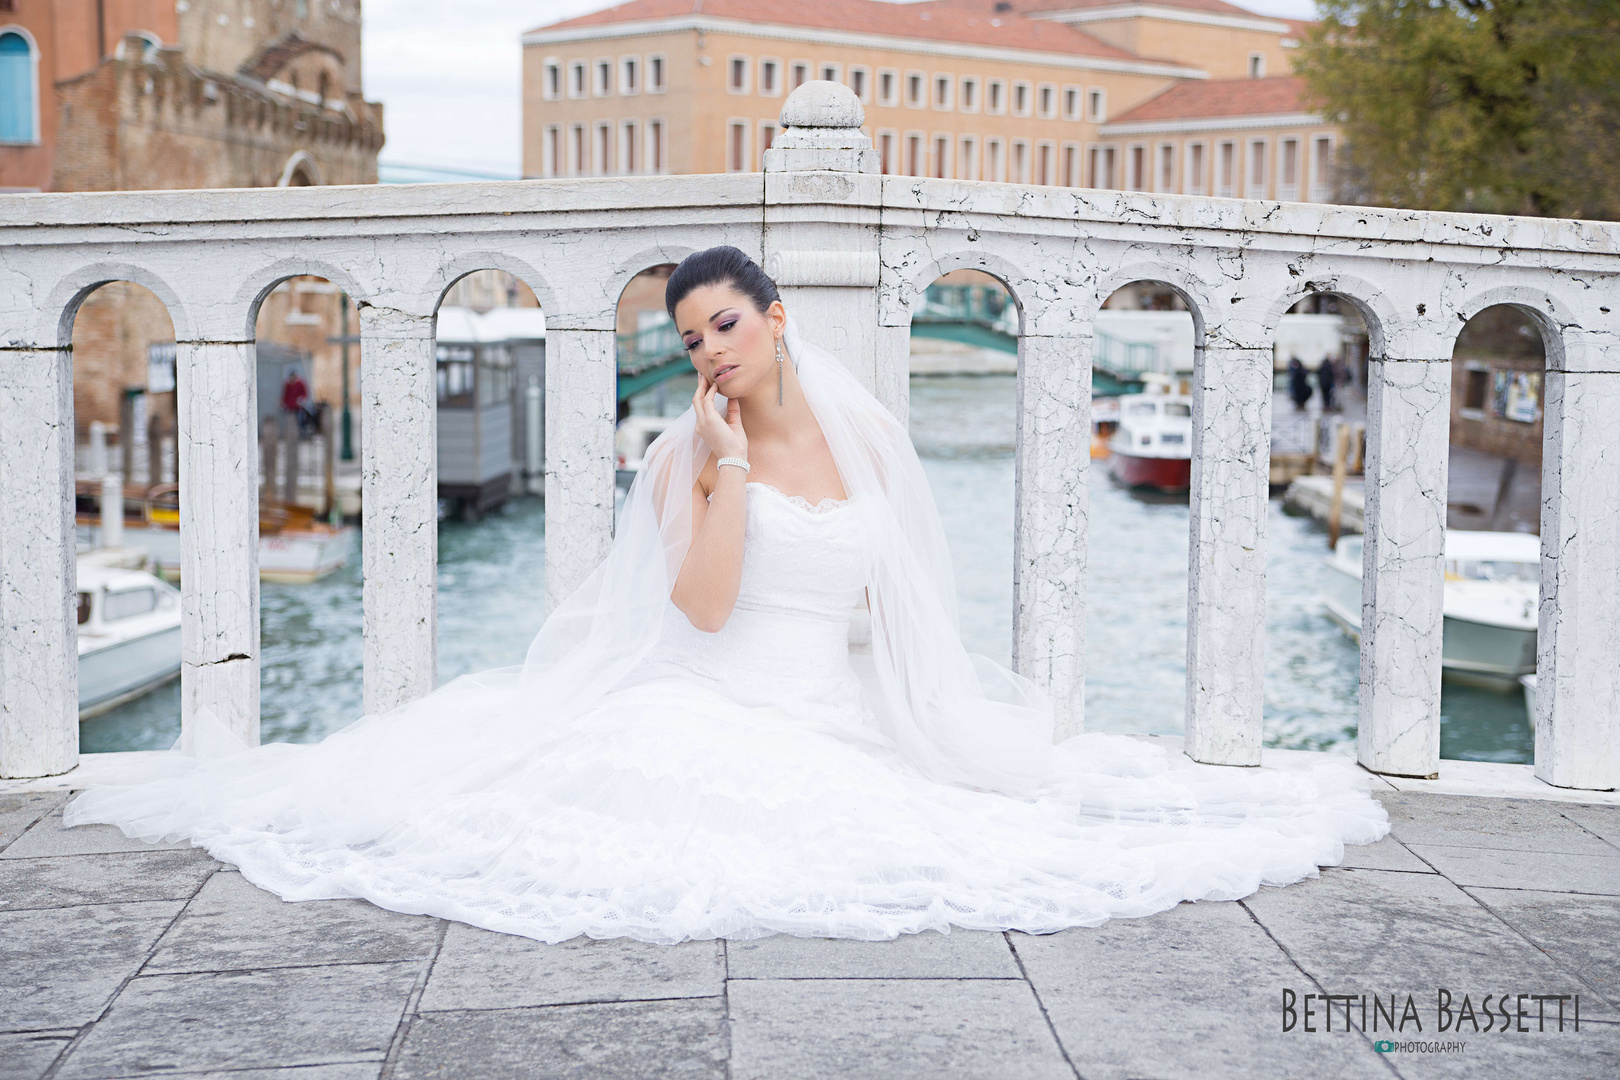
39, 662
1402, 569
218, 462
1226, 562
581, 409
893, 371
399, 501
1049, 560
1578, 646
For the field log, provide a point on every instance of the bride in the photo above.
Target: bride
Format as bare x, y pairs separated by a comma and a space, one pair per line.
755, 717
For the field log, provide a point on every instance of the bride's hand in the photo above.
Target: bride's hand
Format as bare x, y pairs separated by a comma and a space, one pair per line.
725, 437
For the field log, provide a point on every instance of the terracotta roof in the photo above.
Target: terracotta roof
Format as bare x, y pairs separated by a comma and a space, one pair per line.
1195, 100
1214, 7
937, 21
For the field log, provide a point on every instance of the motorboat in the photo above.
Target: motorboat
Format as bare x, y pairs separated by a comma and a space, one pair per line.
1490, 602
296, 546
630, 442
1152, 446
129, 635
1104, 422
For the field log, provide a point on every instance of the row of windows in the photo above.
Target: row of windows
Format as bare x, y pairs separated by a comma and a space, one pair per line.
605, 148
603, 77
1252, 169
890, 87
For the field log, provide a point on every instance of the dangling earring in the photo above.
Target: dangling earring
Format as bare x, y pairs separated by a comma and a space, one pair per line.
779, 371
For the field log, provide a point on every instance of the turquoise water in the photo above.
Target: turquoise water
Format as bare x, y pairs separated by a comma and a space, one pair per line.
491, 599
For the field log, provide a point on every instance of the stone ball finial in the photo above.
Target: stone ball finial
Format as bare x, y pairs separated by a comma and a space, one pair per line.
822, 104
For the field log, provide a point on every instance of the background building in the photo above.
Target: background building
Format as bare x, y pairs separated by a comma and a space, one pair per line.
1189, 96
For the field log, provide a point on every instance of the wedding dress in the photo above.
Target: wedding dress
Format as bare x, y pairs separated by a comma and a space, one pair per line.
640, 778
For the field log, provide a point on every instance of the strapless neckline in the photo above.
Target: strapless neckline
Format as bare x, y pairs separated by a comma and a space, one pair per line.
824, 506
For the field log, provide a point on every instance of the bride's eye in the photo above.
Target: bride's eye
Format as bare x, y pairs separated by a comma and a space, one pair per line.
690, 345
727, 325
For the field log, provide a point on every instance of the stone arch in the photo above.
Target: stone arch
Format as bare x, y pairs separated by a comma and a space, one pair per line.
256, 286
1546, 312
66, 296
448, 274
902, 295
1369, 300
1172, 278
301, 170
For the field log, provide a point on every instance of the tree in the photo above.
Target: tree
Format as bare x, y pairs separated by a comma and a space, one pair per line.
1498, 106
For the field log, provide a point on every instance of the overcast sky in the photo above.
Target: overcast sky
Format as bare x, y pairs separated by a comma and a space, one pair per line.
449, 74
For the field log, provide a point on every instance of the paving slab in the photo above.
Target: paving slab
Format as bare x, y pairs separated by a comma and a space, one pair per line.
129, 877
963, 954
232, 924
1510, 869
1386, 854
19, 811
616, 1041
1602, 820
1473, 821
25, 1055
60, 967
1582, 933
479, 969
1195, 992
363, 1070
890, 1029
50, 837
243, 1020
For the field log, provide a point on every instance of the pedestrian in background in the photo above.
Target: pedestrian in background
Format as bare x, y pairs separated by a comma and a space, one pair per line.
1299, 384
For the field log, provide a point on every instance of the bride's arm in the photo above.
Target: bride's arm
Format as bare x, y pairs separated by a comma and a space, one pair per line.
706, 587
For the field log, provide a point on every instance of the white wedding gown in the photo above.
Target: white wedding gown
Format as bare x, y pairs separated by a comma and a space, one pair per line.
734, 785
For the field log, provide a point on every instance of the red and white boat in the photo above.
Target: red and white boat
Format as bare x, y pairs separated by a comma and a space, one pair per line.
1152, 447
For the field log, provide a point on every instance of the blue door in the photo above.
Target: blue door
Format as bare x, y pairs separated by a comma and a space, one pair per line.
16, 90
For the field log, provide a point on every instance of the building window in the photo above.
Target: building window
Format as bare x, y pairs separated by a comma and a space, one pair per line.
551, 153
995, 160
1070, 174
970, 94
604, 78
1045, 163
885, 146
914, 153
943, 96
968, 158
577, 152
737, 146
19, 99
767, 135
1136, 168
1097, 105
800, 73
860, 81
737, 74
830, 73
1257, 169
629, 159
1226, 166
1102, 167
603, 165
915, 98
770, 72
655, 74
1476, 391
577, 87
1167, 168
629, 75
1020, 98
888, 87
995, 97
551, 88
942, 157
1288, 169
1071, 103
1020, 161
1257, 65
655, 144
1194, 175
1046, 101
1321, 169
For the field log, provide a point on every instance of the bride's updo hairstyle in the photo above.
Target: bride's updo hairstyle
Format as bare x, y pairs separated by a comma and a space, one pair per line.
723, 265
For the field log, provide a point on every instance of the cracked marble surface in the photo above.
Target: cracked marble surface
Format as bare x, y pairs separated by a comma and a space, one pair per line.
581, 403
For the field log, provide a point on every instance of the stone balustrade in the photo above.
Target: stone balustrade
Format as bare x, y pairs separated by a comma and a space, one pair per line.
853, 251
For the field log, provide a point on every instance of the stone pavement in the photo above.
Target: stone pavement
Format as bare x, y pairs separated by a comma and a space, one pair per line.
123, 960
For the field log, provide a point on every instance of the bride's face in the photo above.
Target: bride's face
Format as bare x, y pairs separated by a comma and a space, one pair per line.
730, 341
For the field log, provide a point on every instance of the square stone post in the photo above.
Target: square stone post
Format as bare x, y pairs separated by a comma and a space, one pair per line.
1053, 504
1403, 565
39, 661
400, 502
581, 408
1226, 558
219, 536
1578, 645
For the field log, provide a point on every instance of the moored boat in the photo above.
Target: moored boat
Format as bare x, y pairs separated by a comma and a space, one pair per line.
1152, 446
129, 635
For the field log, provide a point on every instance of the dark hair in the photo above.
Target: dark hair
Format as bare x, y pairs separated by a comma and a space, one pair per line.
723, 265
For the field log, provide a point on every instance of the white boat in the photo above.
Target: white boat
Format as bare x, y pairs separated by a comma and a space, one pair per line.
129, 635
630, 442
1152, 446
1492, 591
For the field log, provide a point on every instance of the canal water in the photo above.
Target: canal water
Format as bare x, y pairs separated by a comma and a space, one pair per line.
491, 599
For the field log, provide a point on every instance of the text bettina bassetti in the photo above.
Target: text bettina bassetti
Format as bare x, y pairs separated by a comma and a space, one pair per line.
1446, 1011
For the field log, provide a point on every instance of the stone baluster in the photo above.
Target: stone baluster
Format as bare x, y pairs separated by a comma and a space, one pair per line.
581, 408
219, 536
1402, 575
39, 666
399, 500
1226, 573
1049, 559
1578, 645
